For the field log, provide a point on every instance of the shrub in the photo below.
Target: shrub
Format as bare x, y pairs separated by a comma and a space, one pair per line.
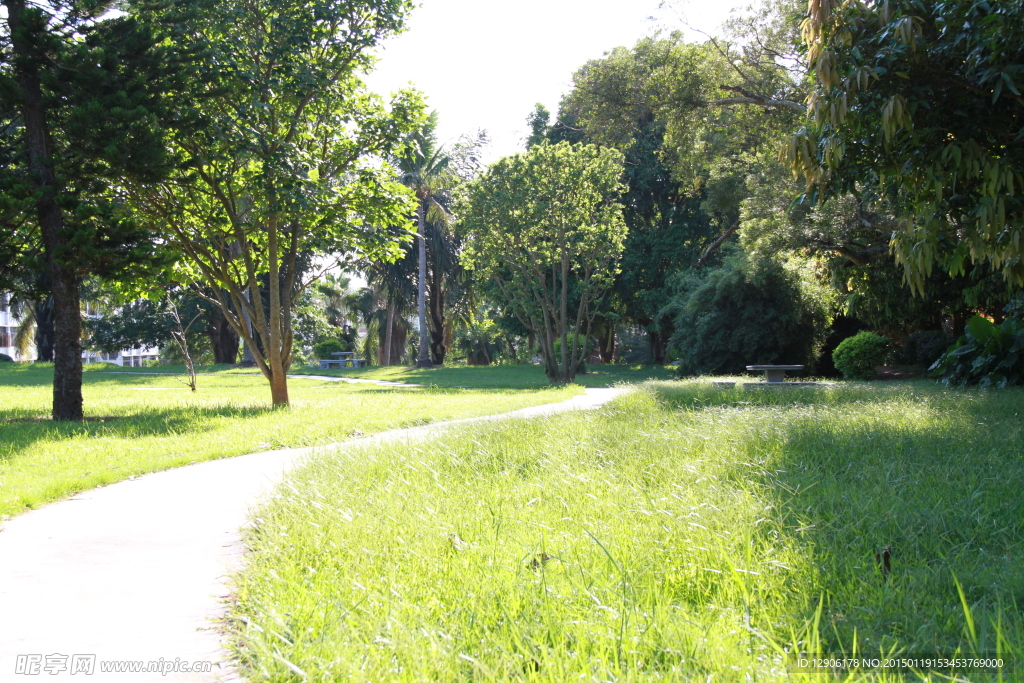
323, 350
4, 358
745, 312
857, 356
987, 354
587, 344
925, 347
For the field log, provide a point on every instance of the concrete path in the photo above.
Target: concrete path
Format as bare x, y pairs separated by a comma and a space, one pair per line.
137, 571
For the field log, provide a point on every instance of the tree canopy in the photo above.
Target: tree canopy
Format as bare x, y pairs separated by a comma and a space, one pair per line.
919, 103
538, 220
84, 109
285, 166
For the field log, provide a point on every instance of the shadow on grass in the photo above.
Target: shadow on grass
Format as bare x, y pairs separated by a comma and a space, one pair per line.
21, 428
934, 476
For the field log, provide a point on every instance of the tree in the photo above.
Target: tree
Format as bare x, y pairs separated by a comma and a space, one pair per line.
537, 221
285, 168
150, 322
919, 103
746, 311
83, 109
691, 153
668, 230
427, 170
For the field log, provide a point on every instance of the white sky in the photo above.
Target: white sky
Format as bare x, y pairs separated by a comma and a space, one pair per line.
485, 63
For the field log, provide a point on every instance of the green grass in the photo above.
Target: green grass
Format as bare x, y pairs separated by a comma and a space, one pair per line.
497, 376
684, 532
143, 423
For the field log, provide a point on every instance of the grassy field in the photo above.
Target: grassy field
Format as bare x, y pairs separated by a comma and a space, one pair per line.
141, 423
498, 376
684, 532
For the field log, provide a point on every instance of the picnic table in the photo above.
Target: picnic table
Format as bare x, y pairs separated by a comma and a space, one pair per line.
774, 373
347, 359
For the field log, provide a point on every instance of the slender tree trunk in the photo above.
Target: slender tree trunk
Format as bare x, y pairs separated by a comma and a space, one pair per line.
388, 333
67, 318
278, 378
438, 348
566, 374
424, 358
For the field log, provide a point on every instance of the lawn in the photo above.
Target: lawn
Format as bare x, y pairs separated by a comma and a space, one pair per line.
684, 532
141, 423
497, 376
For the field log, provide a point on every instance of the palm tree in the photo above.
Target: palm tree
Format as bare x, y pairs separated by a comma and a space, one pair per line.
391, 283
427, 169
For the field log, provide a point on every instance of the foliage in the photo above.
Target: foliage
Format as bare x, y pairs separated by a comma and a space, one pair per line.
432, 172
84, 109
328, 347
987, 354
538, 219
919, 102
4, 358
286, 167
585, 344
925, 346
478, 337
667, 228
744, 312
147, 322
857, 356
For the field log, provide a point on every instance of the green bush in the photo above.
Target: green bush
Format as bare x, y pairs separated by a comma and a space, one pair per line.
586, 344
745, 312
4, 358
987, 354
323, 350
857, 356
925, 347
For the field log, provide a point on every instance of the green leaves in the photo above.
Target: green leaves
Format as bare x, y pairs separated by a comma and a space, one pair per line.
934, 127
987, 354
537, 219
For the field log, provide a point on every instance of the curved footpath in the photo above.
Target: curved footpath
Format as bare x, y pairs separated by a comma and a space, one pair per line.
137, 571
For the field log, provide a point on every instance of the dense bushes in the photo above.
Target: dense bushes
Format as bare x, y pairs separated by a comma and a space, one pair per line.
987, 354
925, 347
4, 358
745, 312
323, 350
857, 356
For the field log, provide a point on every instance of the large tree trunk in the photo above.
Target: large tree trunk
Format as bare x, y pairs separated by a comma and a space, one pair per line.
223, 340
424, 356
67, 318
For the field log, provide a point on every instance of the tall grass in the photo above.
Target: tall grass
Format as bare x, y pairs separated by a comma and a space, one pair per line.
685, 532
143, 423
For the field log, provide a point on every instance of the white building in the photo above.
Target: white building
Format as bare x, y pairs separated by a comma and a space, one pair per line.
9, 324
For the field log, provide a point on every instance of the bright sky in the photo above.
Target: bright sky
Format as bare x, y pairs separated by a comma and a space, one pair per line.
485, 63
